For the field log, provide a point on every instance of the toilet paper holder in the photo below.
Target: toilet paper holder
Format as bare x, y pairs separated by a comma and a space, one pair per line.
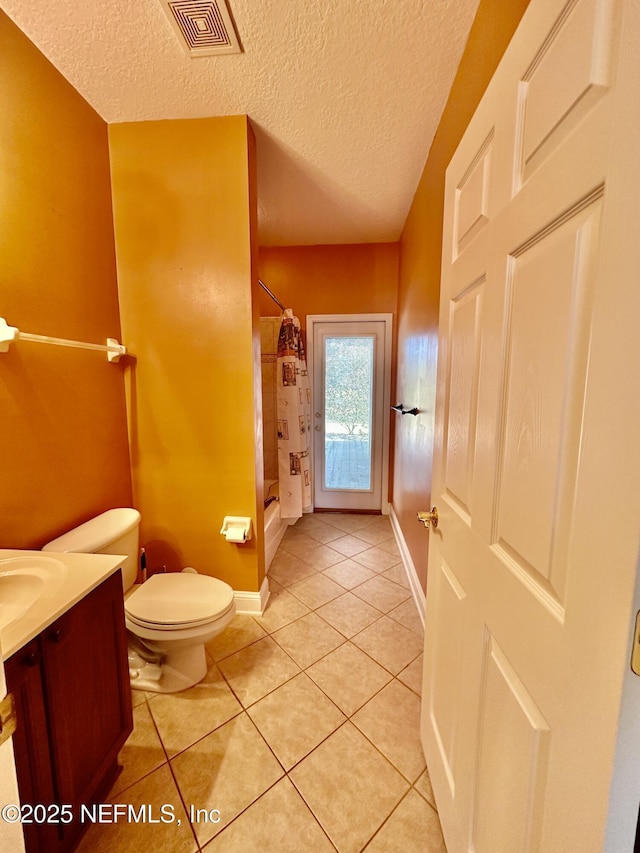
236, 528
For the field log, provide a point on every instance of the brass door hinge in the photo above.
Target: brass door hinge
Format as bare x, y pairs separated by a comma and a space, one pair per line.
8, 718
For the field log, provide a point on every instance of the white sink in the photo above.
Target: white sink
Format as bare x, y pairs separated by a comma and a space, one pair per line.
23, 581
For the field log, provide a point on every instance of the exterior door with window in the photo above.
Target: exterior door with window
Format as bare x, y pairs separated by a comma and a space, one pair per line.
350, 363
533, 565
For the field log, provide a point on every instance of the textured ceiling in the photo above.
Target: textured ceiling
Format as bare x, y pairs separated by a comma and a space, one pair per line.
344, 95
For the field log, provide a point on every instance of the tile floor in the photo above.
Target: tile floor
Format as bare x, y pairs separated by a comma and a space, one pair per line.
304, 734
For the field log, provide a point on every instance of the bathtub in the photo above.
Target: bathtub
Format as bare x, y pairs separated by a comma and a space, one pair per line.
274, 526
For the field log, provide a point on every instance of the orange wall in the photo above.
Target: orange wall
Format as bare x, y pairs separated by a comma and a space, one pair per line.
353, 279
346, 279
185, 235
63, 446
420, 257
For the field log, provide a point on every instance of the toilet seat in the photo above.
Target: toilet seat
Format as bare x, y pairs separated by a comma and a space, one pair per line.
178, 601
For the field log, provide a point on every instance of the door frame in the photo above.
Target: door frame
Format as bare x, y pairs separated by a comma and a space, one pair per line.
387, 319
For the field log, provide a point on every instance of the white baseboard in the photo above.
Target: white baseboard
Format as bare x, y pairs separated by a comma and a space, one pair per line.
409, 567
252, 603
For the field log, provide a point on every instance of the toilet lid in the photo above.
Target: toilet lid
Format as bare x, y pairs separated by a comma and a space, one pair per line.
177, 599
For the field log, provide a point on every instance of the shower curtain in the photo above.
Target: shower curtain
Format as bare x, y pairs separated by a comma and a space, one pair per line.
294, 420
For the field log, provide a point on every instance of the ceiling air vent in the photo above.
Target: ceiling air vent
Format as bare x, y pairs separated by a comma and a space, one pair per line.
203, 27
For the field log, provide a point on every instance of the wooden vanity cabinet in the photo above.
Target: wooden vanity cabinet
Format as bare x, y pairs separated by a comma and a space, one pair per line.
31, 743
71, 686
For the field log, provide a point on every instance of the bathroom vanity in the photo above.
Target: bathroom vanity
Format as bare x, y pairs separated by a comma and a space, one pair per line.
66, 666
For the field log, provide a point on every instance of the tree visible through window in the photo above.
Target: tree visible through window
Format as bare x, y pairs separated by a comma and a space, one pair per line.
348, 385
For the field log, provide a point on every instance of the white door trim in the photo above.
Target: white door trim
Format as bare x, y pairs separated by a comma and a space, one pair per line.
387, 319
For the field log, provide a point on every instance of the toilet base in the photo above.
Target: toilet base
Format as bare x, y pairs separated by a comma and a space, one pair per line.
166, 673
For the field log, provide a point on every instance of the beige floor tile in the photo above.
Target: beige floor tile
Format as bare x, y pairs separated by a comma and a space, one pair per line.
381, 593
412, 675
227, 771
349, 545
287, 569
375, 535
316, 591
279, 822
376, 559
295, 718
348, 677
257, 670
349, 574
407, 614
318, 530
379, 522
412, 828
240, 632
303, 520
348, 614
398, 575
308, 639
156, 790
273, 584
349, 787
391, 546
185, 717
311, 551
391, 721
138, 697
282, 608
298, 543
346, 522
390, 644
322, 556
423, 785
142, 752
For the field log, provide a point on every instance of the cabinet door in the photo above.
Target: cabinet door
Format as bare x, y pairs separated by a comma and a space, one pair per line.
86, 679
31, 744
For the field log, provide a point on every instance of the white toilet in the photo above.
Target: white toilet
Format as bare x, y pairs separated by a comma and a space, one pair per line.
169, 618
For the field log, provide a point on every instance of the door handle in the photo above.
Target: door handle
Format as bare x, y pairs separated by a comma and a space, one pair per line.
429, 518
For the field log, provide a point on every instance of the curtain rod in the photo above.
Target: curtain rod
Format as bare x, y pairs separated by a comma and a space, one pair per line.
275, 298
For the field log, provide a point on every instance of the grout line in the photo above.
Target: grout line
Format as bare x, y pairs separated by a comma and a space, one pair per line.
184, 806
420, 794
388, 817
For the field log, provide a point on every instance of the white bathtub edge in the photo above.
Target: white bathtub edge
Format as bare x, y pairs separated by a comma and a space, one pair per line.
274, 529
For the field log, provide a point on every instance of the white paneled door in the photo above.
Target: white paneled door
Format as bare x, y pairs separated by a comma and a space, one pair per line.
532, 568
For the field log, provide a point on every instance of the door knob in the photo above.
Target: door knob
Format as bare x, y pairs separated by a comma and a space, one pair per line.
31, 659
429, 518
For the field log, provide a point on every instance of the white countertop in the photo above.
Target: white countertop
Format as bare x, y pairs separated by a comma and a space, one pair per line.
81, 574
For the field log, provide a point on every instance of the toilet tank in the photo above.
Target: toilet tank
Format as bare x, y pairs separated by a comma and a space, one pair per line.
113, 532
